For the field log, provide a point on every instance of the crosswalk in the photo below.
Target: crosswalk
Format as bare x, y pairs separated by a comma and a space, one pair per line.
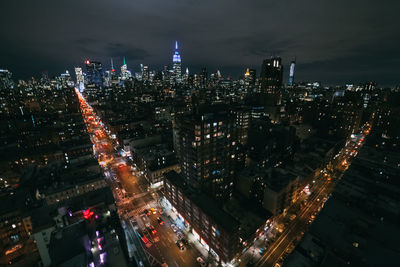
138, 211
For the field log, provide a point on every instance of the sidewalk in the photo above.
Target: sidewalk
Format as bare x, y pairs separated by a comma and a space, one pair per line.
191, 238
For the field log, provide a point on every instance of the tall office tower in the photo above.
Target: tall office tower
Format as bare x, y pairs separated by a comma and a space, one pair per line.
250, 78
112, 65
219, 75
203, 78
253, 77
145, 73
152, 74
176, 61
205, 142
80, 80
107, 78
5, 79
125, 73
185, 77
243, 121
94, 73
165, 74
65, 79
271, 75
291, 72
196, 80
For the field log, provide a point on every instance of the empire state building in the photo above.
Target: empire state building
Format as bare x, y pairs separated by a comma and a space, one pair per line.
176, 66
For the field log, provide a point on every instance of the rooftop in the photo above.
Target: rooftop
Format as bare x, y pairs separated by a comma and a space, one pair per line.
55, 177
205, 203
249, 214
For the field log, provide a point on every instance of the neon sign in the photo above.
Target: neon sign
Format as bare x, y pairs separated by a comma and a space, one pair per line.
87, 214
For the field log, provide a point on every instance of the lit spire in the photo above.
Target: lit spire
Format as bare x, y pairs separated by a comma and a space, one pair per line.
176, 58
124, 60
247, 72
187, 70
112, 65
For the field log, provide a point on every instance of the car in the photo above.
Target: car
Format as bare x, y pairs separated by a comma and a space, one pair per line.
180, 245
153, 233
13, 249
146, 212
262, 250
174, 228
200, 260
160, 221
144, 239
152, 230
120, 166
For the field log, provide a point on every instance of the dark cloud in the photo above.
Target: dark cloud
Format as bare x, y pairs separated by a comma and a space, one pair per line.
333, 41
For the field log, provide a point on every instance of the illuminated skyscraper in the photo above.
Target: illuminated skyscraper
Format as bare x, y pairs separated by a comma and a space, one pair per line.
145, 73
205, 143
80, 80
185, 77
125, 73
291, 72
94, 73
271, 75
176, 67
250, 78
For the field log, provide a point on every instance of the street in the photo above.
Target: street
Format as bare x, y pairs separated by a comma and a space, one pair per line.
133, 198
283, 245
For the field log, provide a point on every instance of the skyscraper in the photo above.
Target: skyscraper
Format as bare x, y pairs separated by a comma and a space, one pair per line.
176, 67
205, 143
80, 80
125, 73
185, 77
145, 73
166, 74
203, 78
250, 78
291, 72
94, 73
271, 75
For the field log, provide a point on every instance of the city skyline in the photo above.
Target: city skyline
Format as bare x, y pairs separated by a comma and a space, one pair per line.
345, 45
211, 134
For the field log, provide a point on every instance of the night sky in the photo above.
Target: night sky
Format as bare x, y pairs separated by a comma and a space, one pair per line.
335, 42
